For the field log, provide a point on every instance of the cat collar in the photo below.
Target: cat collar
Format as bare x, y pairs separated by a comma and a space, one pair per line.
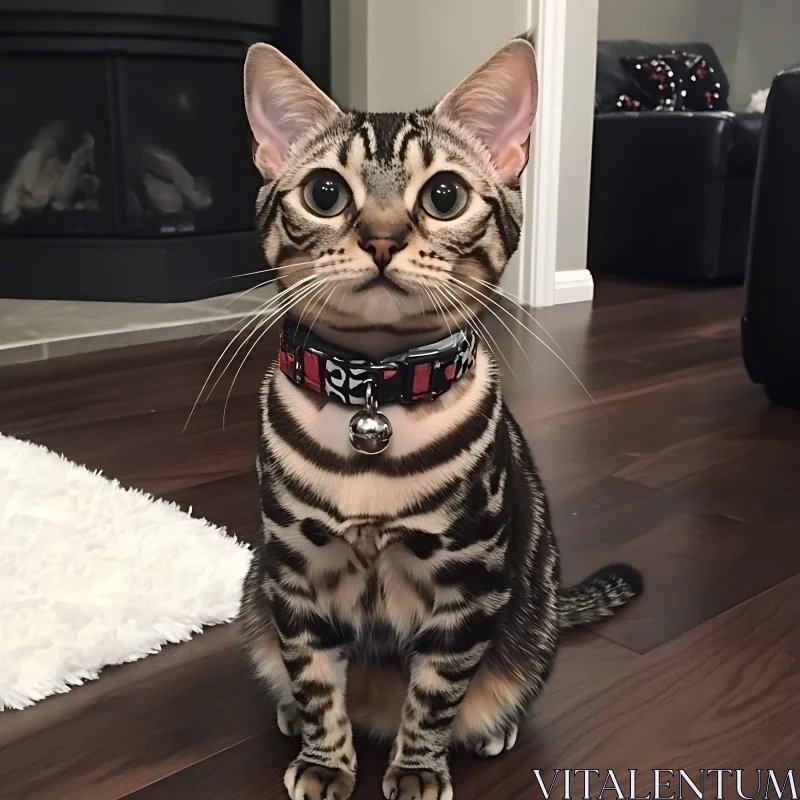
416, 375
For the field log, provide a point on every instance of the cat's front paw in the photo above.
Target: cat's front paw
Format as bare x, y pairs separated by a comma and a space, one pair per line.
496, 743
289, 721
307, 781
402, 783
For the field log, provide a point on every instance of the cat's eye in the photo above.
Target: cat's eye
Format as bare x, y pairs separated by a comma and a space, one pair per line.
444, 196
326, 194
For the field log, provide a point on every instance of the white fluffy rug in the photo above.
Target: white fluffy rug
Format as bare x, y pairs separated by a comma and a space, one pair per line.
92, 574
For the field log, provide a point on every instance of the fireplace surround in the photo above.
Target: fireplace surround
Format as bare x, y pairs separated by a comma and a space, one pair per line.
125, 155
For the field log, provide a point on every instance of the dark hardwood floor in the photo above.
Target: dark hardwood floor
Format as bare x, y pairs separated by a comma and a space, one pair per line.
679, 466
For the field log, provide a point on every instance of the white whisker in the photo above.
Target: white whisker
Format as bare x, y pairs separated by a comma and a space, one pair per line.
316, 317
438, 308
481, 298
305, 307
517, 302
273, 280
233, 340
264, 330
421, 299
264, 324
444, 301
481, 323
246, 317
261, 271
265, 308
253, 315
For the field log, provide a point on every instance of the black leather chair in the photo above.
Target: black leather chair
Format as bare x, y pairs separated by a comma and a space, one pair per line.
671, 192
771, 322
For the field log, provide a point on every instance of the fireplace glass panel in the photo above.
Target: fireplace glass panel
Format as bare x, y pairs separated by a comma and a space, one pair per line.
188, 147
55, 146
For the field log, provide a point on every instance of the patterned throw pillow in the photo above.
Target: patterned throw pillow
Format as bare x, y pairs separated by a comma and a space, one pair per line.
672, 81
703, 90
628, 103
656, 81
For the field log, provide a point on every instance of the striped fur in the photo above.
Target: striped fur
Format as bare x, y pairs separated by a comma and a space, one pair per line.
417, 593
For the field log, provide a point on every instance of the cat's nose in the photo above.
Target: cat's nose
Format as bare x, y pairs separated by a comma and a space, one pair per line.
382, 250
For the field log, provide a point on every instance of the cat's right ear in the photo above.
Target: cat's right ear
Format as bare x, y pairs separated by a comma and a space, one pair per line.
282, 104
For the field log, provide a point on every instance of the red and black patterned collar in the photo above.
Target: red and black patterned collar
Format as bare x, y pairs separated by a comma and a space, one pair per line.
422, 373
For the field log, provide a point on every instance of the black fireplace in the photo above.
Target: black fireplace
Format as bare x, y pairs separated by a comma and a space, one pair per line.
125, 155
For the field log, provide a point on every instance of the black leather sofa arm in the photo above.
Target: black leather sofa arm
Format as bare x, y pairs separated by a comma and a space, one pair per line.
662, 141
747, 128
771, 324
658, 193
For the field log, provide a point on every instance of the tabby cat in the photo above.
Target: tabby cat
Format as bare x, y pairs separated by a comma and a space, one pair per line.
417, 592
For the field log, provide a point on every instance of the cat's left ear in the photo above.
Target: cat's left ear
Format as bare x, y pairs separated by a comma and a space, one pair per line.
497, 104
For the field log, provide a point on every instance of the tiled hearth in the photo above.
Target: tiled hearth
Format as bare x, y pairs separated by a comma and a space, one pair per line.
32, 330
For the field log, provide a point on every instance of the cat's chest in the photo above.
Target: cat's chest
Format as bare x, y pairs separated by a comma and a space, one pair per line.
368, 541
433, 445
379, 579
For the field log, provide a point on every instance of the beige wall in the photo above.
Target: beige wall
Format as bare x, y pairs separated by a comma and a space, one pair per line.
769, 41
349, 53
576, 134
420, 49
399, 55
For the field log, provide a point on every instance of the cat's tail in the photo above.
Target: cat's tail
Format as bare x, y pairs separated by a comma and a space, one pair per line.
598, 596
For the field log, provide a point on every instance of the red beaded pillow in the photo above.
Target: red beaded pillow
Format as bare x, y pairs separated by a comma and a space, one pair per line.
672, 81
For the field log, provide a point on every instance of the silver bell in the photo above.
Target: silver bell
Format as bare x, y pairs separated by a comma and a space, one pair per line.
370, 431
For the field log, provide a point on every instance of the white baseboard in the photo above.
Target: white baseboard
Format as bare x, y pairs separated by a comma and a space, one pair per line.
574, 286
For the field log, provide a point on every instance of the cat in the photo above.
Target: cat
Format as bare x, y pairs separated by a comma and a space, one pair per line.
416, 592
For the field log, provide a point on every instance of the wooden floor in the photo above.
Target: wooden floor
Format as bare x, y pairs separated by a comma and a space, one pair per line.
680, 467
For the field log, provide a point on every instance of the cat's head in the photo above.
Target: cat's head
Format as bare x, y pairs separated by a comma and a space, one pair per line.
387, 229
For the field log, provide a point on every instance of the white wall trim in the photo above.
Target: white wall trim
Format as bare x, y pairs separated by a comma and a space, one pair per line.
540, 183
551, 44
535, 277
573, 286
518, 278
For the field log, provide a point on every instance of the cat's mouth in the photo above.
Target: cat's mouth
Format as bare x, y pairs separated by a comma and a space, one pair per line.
381, 282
